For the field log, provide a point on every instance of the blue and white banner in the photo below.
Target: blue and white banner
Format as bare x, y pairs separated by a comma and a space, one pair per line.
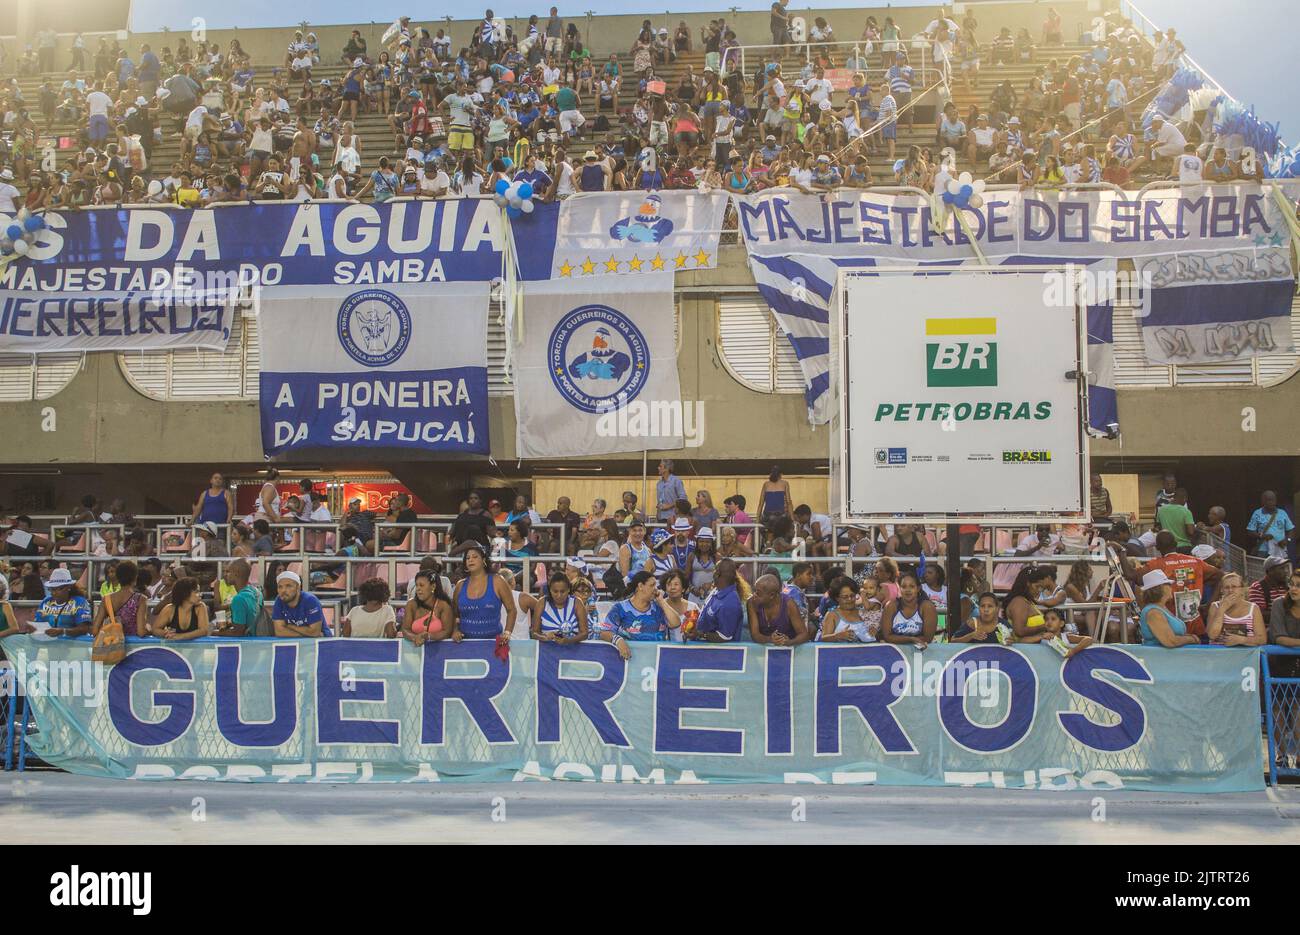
603, 234
1063, 225
800, 290
50, 323
1208, 308
341, 710
283, 244
595, 368
392, 367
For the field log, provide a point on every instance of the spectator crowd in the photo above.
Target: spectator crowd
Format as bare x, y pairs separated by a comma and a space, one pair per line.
538, 104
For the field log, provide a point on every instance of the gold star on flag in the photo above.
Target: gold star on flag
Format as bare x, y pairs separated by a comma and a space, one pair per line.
611, 265
680, 260
566, 269
701, 258
657, 262
634, 264
588, 267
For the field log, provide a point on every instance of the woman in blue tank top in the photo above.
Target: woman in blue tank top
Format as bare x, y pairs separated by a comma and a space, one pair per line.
216, 504
479, 597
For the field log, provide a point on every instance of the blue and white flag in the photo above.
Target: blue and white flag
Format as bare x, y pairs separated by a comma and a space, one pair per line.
800, 290
1217, 306
390, 367
596, 369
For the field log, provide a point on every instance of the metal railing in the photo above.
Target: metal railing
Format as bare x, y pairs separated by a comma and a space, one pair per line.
919, 55
1281, 710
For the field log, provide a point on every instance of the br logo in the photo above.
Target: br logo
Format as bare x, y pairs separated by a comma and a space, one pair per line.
964, 353
374, 327
598, 359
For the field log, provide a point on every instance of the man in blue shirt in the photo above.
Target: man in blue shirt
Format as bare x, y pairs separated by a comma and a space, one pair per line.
723, 614
295, 612
534, 176
668, 490
1269, 528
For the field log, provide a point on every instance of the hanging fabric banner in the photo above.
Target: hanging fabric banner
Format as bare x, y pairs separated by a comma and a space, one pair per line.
596, 370
395, 367
608, 233
55, 322
1210, 308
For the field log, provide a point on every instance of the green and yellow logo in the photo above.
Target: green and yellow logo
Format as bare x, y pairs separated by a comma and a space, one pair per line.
1026, 457
964, 355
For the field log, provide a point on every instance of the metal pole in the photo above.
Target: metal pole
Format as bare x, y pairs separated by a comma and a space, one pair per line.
953, 573
645, 472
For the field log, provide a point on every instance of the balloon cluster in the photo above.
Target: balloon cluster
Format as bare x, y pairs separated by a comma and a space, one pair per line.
964, 192
1284, 165
1235, 119
1174, 95
515, 197
21, 234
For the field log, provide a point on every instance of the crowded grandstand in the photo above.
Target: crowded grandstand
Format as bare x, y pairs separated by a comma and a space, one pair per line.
528, 115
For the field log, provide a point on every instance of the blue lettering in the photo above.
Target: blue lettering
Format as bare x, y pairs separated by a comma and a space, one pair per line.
1023, 699
1035, 234
284, 701
474, 692
180, 703
780, 708
995, 219
872, 701
331, 725
875, 222
1078, 674
671, 698
592, 696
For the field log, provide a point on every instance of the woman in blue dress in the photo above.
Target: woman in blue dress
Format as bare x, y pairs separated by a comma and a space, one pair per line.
560, 617
480, 597
645, 615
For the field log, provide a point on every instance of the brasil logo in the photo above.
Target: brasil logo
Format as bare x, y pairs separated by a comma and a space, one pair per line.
964, 355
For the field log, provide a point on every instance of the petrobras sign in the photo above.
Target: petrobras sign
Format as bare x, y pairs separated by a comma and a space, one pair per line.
342, 710
281, 244
395, 367
1043, 224
971, 412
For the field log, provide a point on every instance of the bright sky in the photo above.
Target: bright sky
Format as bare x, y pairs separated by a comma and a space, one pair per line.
1244, 54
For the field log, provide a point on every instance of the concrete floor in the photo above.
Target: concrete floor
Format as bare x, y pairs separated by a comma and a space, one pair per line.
58, 808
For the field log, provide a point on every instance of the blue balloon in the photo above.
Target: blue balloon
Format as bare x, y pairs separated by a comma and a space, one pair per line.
14, 232
526, 190
501, 186
34, 223
513, 212
966, 191
948, 198
898, 165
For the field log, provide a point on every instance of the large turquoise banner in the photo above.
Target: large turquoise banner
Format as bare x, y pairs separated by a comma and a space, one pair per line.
342, 710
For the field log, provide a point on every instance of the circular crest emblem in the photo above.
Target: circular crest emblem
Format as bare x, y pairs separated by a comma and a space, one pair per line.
598, 359
374, 327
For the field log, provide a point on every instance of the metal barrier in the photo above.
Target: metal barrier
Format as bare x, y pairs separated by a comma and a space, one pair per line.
1282, 710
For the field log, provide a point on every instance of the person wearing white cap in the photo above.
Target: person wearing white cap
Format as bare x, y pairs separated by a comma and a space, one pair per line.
702, 563
1167, 142
65, 612
1157, 625
296, 613
207, 542
9, 194
683, 546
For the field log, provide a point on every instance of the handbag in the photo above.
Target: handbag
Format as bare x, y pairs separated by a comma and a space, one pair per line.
109, 646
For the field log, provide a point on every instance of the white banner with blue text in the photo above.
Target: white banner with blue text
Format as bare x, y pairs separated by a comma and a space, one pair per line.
84, 322
391, 367
596, 370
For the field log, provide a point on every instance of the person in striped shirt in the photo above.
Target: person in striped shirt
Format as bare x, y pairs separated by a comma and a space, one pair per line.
889, 125
899, 77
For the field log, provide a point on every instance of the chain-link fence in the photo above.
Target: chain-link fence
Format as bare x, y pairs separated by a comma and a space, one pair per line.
1282, 710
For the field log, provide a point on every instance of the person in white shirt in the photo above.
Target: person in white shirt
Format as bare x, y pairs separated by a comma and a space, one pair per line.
819, 88
1190, 166
1168, 142
563, 176
98, 105
435, 182
9, 195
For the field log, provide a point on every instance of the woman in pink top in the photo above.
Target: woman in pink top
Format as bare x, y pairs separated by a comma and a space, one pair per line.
428, 615
1234, 620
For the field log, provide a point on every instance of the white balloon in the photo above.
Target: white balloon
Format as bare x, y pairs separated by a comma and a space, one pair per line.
21, 247
515, 200
155, 187
964, 179
500, 200
527, 206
